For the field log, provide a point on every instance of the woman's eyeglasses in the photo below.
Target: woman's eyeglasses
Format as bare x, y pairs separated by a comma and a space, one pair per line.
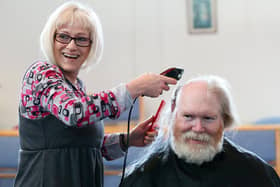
66, 39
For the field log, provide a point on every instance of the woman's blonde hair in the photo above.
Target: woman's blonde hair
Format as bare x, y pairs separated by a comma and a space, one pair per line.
68, 13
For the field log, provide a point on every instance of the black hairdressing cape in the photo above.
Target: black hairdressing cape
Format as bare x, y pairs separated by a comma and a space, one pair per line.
233, 167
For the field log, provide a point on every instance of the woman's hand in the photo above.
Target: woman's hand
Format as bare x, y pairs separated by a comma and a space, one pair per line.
149, 84
141, 135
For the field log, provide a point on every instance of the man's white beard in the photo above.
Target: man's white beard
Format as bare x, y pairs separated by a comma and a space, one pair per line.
199, 153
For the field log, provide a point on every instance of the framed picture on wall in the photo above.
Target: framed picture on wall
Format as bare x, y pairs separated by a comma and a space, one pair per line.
202, 16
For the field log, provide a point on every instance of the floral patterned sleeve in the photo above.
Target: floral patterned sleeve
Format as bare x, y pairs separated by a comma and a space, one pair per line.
45, 91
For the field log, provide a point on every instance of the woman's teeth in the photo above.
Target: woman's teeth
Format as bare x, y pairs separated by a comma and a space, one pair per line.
70, 56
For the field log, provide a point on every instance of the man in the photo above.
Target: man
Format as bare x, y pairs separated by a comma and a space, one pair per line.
191, 149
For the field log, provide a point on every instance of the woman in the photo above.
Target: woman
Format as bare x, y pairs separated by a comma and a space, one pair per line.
61, 129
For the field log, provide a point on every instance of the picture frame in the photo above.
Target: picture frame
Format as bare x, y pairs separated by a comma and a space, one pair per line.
202, 16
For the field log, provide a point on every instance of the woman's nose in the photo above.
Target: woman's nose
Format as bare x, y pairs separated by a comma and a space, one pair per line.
72, 44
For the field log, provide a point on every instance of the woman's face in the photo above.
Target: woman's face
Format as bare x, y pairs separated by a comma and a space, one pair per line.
70, 57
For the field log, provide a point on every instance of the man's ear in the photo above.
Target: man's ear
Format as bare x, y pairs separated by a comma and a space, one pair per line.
173, 105
173, 100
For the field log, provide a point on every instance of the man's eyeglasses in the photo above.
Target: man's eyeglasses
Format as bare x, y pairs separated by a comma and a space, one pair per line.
66, 39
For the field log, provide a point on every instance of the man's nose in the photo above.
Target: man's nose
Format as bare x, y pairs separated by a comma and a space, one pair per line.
198, 125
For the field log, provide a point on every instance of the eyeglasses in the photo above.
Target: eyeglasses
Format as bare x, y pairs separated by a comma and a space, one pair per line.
66, 39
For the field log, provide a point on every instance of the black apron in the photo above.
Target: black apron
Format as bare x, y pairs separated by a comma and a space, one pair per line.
55, 155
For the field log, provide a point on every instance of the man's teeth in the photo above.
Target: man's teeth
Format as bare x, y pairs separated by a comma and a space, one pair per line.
71, 56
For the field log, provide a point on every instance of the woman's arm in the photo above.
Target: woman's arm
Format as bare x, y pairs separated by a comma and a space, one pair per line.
45, 91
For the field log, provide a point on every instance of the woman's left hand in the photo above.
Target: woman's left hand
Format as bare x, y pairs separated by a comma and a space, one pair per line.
142, 135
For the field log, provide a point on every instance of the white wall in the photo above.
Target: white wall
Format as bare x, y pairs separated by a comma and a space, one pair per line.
150, 35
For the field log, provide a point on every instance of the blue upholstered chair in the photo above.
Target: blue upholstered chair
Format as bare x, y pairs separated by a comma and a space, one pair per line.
264, 140
260, 142
9, 146
268, 120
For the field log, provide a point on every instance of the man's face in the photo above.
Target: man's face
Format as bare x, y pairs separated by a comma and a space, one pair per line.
198, 124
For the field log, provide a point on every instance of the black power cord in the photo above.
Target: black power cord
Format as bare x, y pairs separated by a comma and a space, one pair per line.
127, 142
